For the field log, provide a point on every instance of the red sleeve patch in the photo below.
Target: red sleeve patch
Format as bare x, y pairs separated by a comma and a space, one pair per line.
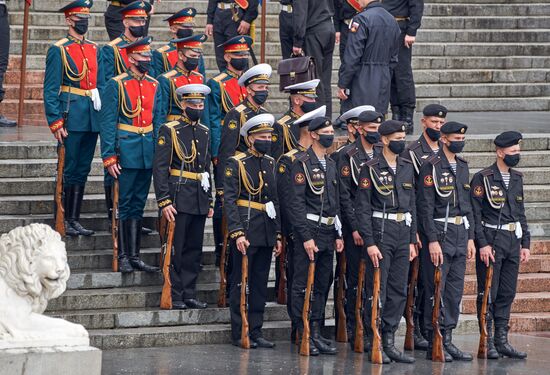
365, 183
478, 191
299, 178
428, 181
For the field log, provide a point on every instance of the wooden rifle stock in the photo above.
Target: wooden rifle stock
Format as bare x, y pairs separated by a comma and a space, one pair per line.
358, 345
166, 295
341, 329
482, 350
437, 339
409, 308
114, 226
222, 293
59, 209
282, 290
245, 339
304, 346
376, 357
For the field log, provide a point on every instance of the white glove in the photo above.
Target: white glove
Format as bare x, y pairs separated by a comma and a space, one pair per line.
270, 210
519, 231
205, 181
466, 223
408, 219
96, 100
338, 225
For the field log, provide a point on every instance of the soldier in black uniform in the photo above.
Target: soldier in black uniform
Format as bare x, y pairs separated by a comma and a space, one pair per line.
418, 152
232, 18
344, 11
408, 14
113, 18
256, 82
286, 28
446, 219
386, 214
366, 146
183, 189
502, 237
284, 186
252, 210
371, 53
302, 100
317, 228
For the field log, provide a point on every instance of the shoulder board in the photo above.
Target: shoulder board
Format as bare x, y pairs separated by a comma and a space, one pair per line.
151, 78
303, 156
434, 159
239, 156
196, 73
120, 77
163, 48
284, 119
114, 42
219, 77
203, 127
352, 151
486, 172
414, 145
171, 124
461, 159
515, 171
60, 42
240, 108
170, 73
406, 160
268, 157
291, 154
372, 162
89, 41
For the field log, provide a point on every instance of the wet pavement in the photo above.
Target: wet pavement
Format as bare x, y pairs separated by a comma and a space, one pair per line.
284, 359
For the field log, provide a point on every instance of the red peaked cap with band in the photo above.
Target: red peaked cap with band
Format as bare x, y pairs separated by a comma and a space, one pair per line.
80, 8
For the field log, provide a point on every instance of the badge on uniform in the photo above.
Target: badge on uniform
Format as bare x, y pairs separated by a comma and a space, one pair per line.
478, 191
365, 183
345, 171
228, 172
161, 140
354, 26
282, 168
232, 125
274, 138
428, 181
299, 178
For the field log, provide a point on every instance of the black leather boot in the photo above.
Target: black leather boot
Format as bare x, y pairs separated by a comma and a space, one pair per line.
396, 113
74, 213
407, 115
448, 357
491, 350
388, 344
420, 343
124, 265
134, 240
503, 347
319, 343
313, 351
68, 207
457, 354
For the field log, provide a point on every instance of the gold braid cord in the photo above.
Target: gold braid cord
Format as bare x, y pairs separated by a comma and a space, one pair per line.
69, 72
128, 112
180, 152
174, 96
119, 63
246, 182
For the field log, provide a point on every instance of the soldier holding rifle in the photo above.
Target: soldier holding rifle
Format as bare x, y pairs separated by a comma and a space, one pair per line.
386, 214
181, 171
502, 237
253, 220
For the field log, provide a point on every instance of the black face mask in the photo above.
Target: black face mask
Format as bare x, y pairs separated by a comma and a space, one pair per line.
326, 140
433, 134
81, 26
308, 106
372, 137
184, 33
193, 114
397, 147
143, 66
137, 31
239, 64
191, 63
456, 147
511, 160
260, 96
263, 147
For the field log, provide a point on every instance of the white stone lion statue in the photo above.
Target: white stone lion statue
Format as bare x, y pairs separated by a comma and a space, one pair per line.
33, 270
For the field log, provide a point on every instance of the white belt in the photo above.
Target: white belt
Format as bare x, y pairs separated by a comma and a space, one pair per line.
398, 217
226, 5
457, 220
286, 8
510, 227
324, 220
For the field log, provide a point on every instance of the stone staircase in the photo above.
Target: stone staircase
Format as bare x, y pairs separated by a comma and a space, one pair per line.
483, 55
121, 311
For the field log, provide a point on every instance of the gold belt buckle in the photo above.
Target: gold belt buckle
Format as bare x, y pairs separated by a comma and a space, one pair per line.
140, 131
512, 227
330, 220
400, 216
458, 220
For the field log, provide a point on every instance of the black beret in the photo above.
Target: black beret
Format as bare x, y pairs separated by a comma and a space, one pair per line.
319, 123
435, 110
508, 139
453, 127
391, 126
370, 116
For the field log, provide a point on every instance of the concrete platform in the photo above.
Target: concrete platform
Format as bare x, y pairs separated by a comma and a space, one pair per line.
284, 359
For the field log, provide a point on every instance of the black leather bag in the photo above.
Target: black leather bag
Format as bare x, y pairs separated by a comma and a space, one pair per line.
296, 70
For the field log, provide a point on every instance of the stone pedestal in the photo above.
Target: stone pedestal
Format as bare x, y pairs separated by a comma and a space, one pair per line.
82, 360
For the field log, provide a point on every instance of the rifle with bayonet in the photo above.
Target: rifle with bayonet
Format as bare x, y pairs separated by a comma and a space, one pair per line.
358, 345
341, 329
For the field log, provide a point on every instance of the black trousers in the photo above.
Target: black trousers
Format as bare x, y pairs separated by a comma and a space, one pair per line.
186, 263
505, 275
289, 261
324, 261
113, 22
286, 32
419, 298
452, 277
402, 92
224, 29
4, 46
259, 262
344, 32
394, 246
353, 258
319, 44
